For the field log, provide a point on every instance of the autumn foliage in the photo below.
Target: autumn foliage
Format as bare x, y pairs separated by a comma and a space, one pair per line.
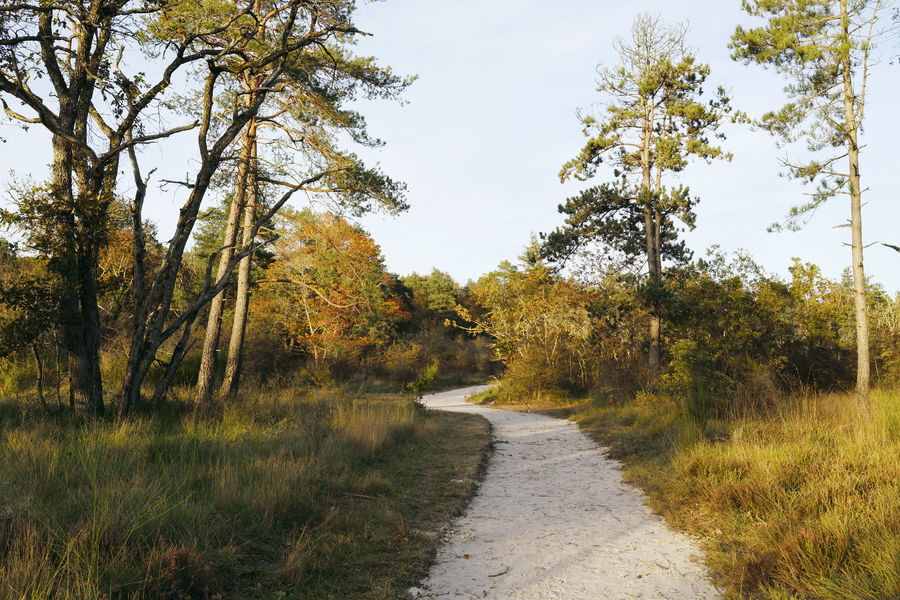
328, 294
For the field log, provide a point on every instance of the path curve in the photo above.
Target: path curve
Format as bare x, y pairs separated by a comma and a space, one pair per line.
554, 520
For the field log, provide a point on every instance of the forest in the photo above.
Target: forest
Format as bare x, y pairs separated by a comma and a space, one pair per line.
235, 411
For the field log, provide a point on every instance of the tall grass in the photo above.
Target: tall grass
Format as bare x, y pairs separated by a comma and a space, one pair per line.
286, 494
369, 425
803, 503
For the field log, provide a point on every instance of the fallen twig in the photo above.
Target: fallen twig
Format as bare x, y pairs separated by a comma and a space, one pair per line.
362, 496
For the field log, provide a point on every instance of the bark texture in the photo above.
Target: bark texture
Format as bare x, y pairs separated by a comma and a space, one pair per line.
859, 276
206, 376
242, 296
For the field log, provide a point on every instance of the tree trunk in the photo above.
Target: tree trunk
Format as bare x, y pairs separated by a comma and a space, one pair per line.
40, 374
80, 316
650, 231
88, 358
859, 277
150, 323
207, 372
154, 322
181, 349
859, 285
58, 373
242, 297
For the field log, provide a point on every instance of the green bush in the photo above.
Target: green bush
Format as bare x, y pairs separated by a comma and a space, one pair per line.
693, 379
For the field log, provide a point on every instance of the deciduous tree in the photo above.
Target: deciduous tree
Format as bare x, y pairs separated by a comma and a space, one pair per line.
327, 290
539, 323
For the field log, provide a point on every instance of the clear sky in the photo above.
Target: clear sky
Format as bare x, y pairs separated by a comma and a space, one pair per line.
493, 117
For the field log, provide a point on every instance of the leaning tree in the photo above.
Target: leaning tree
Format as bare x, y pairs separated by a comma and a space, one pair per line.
64, 67
276, 44
77, 69
301, 126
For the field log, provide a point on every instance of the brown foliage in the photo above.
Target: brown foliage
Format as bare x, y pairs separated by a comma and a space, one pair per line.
179, 573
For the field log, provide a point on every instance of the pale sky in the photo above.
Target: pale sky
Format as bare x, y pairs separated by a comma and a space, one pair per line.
492, 118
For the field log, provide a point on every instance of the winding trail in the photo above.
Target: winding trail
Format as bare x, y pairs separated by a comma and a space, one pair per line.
554, 520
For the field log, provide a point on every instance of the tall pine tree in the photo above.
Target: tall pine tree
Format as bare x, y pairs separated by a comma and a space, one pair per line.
823, 48
654, 123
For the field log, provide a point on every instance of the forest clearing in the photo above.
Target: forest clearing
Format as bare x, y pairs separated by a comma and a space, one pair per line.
225, 347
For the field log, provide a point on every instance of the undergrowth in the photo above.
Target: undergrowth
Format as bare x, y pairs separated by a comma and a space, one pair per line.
285, 494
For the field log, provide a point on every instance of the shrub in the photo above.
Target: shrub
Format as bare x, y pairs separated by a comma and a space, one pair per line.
403, 361
703, 391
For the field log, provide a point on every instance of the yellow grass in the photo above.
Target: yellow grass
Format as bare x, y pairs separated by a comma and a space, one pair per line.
804, 503
286, 494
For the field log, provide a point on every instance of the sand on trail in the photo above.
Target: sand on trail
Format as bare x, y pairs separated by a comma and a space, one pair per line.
553, 519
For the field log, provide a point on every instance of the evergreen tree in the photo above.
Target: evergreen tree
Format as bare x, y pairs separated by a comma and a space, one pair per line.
654, 123
823, 48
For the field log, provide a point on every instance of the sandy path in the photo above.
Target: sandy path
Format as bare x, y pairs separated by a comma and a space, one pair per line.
554, 520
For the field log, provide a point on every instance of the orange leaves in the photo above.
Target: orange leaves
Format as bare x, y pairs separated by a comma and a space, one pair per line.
327, 287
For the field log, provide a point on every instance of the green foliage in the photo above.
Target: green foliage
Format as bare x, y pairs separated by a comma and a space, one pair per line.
607, 216
539, 324
319, 79
658, 79
823, 48
739, 338
754, 326
733, 312
434, 296
29, 300
694, 380
208, 238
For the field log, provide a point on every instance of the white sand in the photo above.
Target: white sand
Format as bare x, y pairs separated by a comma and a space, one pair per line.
554, 520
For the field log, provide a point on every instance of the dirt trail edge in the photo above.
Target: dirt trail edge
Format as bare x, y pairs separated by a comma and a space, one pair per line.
554, 520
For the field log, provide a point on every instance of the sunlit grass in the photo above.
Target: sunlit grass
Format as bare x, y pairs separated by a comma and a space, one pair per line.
803, 503
369, 425
288, 494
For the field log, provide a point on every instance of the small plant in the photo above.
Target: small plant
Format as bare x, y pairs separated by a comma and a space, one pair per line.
179, 573
425, 381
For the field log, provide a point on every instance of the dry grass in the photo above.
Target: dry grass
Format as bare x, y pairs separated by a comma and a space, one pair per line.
289, 494
369, 425
803, 503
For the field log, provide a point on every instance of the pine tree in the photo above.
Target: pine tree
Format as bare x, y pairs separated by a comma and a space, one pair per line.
823, 48
654, 123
